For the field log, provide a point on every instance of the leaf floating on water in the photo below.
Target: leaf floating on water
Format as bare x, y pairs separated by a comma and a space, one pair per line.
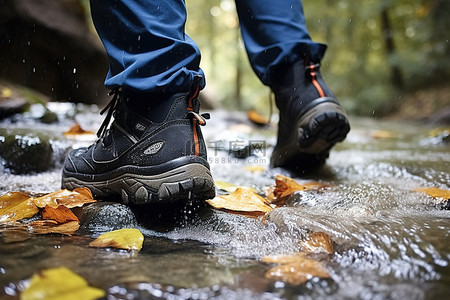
60, 283
318, 242
51, 226
284, 259
242, 200
127, 239
61, 214
285, 186
15, 206
435, 192
70, 199
295, 269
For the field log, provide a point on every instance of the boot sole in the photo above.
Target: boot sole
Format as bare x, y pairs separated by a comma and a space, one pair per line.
319, 129
191, 181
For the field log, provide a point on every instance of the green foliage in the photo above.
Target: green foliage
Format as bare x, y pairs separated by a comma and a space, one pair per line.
357, 65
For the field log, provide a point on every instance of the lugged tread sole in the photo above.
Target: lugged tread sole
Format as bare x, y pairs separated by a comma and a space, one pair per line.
319, 130
191, 181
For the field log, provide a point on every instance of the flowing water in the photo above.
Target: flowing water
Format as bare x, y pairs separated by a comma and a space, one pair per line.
390, 242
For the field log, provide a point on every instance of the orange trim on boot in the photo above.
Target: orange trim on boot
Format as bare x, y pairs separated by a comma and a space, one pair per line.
315, 82
194, 122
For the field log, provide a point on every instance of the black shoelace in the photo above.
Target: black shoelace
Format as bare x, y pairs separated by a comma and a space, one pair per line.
111, 107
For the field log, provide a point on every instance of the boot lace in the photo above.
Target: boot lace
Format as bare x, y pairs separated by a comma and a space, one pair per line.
110, 108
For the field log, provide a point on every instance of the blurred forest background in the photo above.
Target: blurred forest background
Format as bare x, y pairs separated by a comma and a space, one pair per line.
384, 58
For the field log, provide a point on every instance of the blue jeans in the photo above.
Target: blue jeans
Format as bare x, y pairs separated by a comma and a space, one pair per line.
150, 52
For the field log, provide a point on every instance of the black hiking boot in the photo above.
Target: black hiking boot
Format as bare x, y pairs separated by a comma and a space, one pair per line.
156, 154
311, 119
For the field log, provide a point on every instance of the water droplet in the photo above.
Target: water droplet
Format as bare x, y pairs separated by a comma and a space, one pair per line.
139, 37
74, 71
34, 70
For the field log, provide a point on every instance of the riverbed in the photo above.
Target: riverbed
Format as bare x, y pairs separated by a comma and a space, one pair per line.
390, 242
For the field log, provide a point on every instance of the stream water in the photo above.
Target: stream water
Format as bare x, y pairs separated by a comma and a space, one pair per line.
390, 241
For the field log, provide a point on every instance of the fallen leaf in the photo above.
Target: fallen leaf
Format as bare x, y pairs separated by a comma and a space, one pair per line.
51, 226
317, 242
285, 186
127, 238
70, 199
15, 206
59, 283
435, 192
255, 169
284, 259
257, 118
230, 188
242, 200
61, 214
296, 269
383, 134
76, 130
6, 93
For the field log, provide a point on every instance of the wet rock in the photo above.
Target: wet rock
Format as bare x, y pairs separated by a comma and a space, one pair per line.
105, 216
8, 107
24, 153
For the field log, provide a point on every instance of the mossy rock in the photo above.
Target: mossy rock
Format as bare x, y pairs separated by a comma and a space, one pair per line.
24, 152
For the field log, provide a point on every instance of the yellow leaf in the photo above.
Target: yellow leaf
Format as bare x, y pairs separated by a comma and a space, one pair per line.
59, 284
255, 169
6, 92
230, 188
296, 269
435, 192
52, 226
70, 199
383, 134
127, 238
226, 186
15, 206
242, 200
318, 242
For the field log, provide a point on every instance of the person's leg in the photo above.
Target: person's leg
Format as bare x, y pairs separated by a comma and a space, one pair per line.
285, 58
154, 149
147, 45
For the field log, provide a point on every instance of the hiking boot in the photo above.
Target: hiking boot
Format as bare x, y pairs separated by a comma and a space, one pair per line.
147, 154
311, 119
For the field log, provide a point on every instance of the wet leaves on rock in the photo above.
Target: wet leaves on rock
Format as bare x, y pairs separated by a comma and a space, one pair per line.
52, 226
60, 283
127, 239
61, 214
77, 197
15, 206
